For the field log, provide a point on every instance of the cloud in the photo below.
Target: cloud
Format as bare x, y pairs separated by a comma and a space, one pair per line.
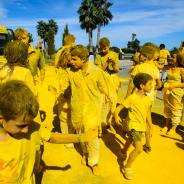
3, 12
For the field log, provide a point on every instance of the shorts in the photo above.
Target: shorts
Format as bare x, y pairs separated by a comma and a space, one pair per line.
136, 135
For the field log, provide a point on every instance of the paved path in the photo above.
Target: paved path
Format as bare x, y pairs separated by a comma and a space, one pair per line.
164, 165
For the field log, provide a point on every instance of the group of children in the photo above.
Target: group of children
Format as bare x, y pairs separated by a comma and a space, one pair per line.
86, 96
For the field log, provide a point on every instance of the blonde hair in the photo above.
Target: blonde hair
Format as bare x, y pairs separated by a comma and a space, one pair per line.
149, 51
64, 58
19, 32
69, 39
80, 51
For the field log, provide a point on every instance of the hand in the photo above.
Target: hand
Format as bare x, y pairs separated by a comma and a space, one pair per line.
90, 135
111, 60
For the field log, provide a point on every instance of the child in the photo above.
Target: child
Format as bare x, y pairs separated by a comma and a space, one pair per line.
87, 85
16, 54
69, 41
173, 97
108, 61
163, 60
139, 119
35, 57
18, 138
148, 53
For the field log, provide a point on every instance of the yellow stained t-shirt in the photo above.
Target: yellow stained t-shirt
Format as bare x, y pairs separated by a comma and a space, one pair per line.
164, 54
101, 60
17, 156
36, 61
86, 96
138, 108
18, 73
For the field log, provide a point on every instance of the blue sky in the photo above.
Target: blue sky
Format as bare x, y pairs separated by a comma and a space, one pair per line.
152, 20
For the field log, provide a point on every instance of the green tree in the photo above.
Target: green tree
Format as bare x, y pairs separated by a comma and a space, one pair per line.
53, 25
104, 16
66, 32
47, 31
87, 18
50, 42
133, 45
42, 29
30, 38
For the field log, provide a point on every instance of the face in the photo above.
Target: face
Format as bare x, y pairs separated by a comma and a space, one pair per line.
142, 58
17, 126
147, 87
104, 49
25, 38
76, 62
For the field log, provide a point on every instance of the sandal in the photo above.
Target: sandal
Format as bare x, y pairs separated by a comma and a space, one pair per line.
128, 173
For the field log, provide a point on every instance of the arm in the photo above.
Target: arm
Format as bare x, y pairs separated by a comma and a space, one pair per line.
149, 121
131, 88
116, 114
59, 138
115, 62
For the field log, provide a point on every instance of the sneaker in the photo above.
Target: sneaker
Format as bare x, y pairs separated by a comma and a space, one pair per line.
95, 170
147, 149
164, 130
128, 173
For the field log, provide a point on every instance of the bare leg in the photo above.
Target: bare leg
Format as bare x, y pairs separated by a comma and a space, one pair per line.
134, 154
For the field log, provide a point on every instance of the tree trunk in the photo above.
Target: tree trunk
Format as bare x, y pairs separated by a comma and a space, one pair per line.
90, 40
98, 38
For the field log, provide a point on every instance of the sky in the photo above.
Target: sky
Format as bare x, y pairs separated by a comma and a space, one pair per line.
157, 21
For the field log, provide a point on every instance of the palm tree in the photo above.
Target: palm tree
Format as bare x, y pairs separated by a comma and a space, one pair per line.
45, 29
104, 16
87, 18
42, 29
53, 25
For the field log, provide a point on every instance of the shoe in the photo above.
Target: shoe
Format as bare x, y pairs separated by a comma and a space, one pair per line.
147, 149
95, 170
128, 173
164, 130
170, 132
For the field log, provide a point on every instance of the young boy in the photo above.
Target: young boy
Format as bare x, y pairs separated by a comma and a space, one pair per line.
139, 118
148, 53
108, 61
87, 85
19, 138
35, 57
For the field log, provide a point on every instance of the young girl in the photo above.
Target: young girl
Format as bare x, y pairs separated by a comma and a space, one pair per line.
16, 54
173, 98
